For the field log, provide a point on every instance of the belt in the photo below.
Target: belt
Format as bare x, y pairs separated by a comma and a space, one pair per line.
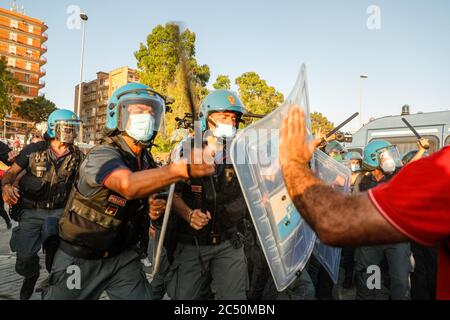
204, 240
31, 204
84, 252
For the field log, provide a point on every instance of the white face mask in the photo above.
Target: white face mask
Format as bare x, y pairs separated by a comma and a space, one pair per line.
224, 130
356, 167
141, 126
388, 166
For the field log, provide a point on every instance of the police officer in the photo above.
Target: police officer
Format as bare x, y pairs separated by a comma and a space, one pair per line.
384, 161
322, 281
353, 160
104, 229
50, 167
335, 150
209, 254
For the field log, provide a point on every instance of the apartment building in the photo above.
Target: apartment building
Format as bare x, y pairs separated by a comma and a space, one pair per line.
22, 41
94, 99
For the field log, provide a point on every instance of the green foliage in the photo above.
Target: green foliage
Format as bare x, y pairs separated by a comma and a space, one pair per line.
319, 121
8, 85
222, 82
258, 97
158, 65
35, 110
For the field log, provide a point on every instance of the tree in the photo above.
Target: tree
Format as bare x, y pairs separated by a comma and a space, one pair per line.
158, 64
8, 86
257, 96
222, 82
318, 120
36, 109
157, 60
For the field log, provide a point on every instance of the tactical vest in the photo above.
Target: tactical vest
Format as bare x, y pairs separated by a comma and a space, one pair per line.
228, 209
106, 221
368, 181
47, 182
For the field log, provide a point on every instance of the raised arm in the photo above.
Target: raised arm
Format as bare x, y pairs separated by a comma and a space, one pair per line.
138, 185
338, 219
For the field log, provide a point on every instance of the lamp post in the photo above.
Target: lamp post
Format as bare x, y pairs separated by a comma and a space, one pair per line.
362, 78
84, 19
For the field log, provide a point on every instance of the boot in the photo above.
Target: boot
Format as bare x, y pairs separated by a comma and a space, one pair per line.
28, 287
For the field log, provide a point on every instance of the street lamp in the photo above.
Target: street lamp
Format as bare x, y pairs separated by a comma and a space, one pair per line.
362, 77
83, 18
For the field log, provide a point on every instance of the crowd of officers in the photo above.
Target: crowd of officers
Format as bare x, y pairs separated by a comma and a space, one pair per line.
99, 211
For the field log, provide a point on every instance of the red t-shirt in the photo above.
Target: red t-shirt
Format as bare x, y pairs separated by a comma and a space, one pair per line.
417, 203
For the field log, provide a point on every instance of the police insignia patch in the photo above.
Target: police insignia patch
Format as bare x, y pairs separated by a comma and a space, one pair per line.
121, 202
111, 210
231, 99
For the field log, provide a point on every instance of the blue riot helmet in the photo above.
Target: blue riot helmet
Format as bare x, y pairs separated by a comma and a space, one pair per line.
63, 125
380, 154
135, 110
354, 159
335, 150
221, 101
353, 155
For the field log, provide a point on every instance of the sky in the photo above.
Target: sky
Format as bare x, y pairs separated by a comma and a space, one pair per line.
403, 46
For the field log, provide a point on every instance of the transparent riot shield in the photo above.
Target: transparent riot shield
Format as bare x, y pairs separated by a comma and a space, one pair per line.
286, 239
338, 176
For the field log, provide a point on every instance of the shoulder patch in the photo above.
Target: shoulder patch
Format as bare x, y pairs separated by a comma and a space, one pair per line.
121, 202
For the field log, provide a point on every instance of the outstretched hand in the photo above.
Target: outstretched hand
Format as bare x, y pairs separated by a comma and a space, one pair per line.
294, 147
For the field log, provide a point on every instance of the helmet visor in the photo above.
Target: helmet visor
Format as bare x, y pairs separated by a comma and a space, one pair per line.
131, 108
141, 118
390, 154
67, 131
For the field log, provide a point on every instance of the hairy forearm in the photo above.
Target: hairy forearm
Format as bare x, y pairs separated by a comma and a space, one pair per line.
299, 180
338, 219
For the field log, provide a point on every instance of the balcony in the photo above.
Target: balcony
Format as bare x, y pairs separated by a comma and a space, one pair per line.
42, 61
42, 72
45, 36
21, 56
44, 48
41, 84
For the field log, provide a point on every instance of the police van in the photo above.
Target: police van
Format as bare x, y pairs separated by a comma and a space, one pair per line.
435, 126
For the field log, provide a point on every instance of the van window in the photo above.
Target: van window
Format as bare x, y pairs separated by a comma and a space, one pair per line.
447, 141
406, 144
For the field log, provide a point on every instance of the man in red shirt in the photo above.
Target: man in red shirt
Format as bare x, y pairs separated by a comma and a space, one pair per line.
414, 205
